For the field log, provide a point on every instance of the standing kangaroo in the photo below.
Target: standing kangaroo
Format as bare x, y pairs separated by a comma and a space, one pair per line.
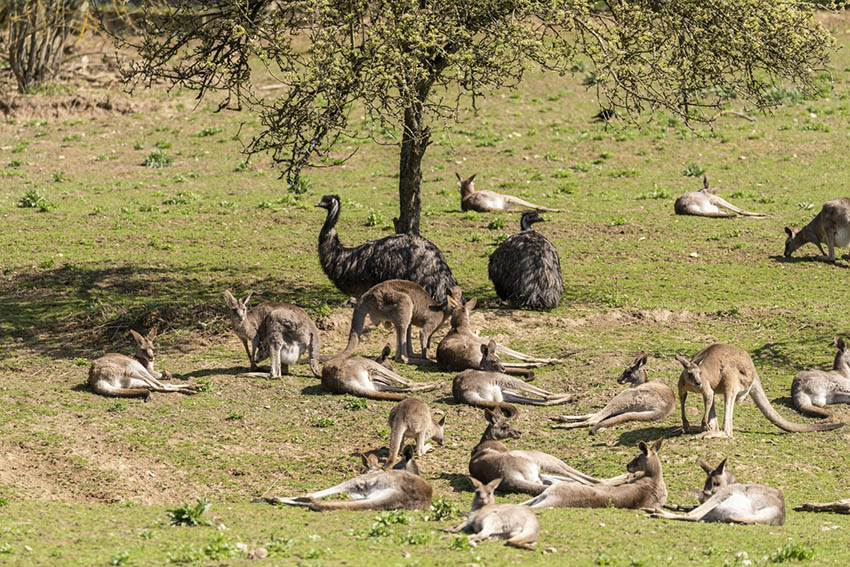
645, 491
246, 323
643, 401
520, 471
729, 370
512, 522
831, 225
813, 389
724, 500
123, 377
376, 489
490, 387
412, 418
358, 376
404, 304
704, 203
460, 349
489, 201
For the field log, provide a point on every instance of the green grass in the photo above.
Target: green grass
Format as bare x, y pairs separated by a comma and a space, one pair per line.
123, 245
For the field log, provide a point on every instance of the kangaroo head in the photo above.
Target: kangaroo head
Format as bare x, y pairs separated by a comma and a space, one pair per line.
384, 358
792, 242
647, 460
460, 310
484, 492
842, 357
407, 463
716, 478
439, 431
690, 372
238, 307
370, 463
489, 359
499, 427
144, 344
635, 373
467, 185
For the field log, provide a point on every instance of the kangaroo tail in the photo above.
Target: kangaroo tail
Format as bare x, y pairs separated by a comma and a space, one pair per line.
761, 401
315, 347
380, 395
118, 392
810, 410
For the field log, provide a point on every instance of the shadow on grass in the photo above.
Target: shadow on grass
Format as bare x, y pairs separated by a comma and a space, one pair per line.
808, 259
458, 482
648, 434
204, 372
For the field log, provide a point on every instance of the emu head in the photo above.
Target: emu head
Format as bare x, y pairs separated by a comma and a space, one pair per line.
144, 345
647, 460
529, 218
484, 492
716, 478
691, 373
635, 373
328, 202
498, 426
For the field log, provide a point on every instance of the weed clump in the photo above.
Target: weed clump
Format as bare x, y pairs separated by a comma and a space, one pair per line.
189, 515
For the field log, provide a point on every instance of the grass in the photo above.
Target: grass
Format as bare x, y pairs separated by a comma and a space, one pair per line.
160, 252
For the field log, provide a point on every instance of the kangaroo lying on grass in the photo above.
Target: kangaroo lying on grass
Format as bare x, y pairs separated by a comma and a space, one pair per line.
519, 471
412, 418
723, 499
490, 387
643, 401
646, 491
376, 489
123, 377
512, 522
358, 376
729, 370
831, 225
404, 304
813, 389
838, 507
489, 201
704, 203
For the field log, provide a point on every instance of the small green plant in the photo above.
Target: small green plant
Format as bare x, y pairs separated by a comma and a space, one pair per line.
203, 384
15, 163
242, 166
619, 173
279, 546
323, 422
105, 157
120, 558
182, 198
497, 223
693, 170
58, 177
162, 144
146, 534
184, 555
412, 538
188, 514
791, 552
355, 404
562, 173
157, 159
590, 79
324, 310
460, 543
656, 193
210, 131
470, 215
375, 218
442, 509
80, 361
301, 186
475, 238
501, 237
219, 548
6, 549
236, 415
117, 407
32, 199
158, 244
138, 145
806, 205
619, 221
3, 501
603, 559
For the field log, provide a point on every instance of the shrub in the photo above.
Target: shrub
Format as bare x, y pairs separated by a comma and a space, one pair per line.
157, 158
189, 515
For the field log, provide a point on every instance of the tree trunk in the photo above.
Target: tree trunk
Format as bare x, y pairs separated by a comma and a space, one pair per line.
414, 141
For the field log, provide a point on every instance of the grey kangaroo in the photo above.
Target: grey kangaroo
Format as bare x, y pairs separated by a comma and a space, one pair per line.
813, 389
412, 418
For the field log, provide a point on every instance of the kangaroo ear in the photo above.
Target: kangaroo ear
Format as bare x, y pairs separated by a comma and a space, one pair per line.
492, 346
705, 181
137, 337
472, 177
387, 350
721, 466
643, 448
657, 446
452, 302
641, 359
371, 461
229, 299
788, 231
471, 303
459, 178
489, 415
152, 334
442, 421
703, 464
494, 484
683, 361
475, 482
247, 298
839, 343
485, 350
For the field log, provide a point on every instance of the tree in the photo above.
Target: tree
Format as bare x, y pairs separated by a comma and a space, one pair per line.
409, 62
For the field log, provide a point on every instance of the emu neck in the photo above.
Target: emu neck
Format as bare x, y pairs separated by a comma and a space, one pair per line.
328, 237
525, 224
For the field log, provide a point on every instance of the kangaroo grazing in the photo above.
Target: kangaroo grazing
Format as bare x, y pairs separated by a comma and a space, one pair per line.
729, 370
460, 349
643, 401
376, 489
490, 387
358, 376
490, 201
645, 491
831, 225
123, 377
520, 471
412, 418
724, 500
512, 522
813, 389
704, 203
404, 304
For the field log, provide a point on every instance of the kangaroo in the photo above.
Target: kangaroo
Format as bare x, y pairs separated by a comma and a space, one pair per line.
724, 500
813, 389
412, 418
375, 489
489, 201
460, 349
358, 376
520, 471
729, 370
286, 333
838, 507
404, 304
643, 401
123, 377
831, 225
644, 491
514, 523
490, 387
704, 203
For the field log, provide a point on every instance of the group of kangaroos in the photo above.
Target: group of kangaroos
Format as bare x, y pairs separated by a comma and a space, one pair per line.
283, 333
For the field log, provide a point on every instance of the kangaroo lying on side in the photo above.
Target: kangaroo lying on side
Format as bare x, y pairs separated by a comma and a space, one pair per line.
520, 471
460, 349
488, 201
729, 370
704, 203
358, 376
123, 377
831, 225
813, 389
646, 491
724, 500
643, 401
838, 507
404, 304
490, 387
412, 418
376, 489
512, 522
